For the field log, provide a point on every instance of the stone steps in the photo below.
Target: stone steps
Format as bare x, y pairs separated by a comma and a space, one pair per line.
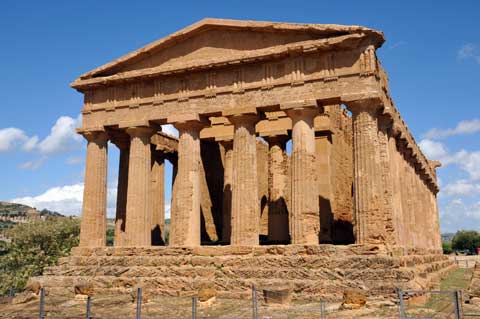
324, 271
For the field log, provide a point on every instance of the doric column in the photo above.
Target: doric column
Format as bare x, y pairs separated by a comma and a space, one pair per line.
185, 216
123, 145
157, 197
386, 160
245, 205
227, 190
369, 224
94, 211
396, 162
278, 229
305, 214
138, 226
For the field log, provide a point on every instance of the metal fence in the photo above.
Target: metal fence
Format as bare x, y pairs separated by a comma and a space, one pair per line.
259, 304
464, 262
425, 304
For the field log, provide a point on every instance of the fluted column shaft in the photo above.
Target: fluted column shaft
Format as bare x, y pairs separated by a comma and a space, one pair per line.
157, 197
227, 191
185, 216
137, 228
245, 204
369, 224
278, 227
386, 161
122, 187
94, 211
305, 215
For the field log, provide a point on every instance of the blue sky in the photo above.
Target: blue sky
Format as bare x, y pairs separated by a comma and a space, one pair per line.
432, 56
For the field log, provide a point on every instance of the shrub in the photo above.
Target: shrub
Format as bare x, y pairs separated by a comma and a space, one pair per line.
34, 246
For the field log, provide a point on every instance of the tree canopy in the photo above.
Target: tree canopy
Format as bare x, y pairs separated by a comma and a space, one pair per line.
34, 246
466, 240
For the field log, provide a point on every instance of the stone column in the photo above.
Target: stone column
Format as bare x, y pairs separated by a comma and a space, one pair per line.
245, 205
185, 216
369, 226
157, 197
94, 211
227, 191
137, 228
122, 186
305, 214
386, 160
278, 227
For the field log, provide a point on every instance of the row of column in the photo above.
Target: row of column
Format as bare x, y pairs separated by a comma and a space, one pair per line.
378, 180
393, 203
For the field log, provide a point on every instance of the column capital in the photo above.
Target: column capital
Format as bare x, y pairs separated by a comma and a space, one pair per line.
140, 131
187, 121
241, 118
276, 139
302, 113
95, 136
120, 139
196, 125
370, 105
385, 122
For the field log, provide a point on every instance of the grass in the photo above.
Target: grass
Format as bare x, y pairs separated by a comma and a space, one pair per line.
457, 280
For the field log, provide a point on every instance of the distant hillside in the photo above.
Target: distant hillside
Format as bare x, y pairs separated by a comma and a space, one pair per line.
20, 210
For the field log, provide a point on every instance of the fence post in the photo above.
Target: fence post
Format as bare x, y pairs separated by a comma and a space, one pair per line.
254, 302
322, 309
42, 303
457, 298
139, 304
402, 304
88, 313
194, 307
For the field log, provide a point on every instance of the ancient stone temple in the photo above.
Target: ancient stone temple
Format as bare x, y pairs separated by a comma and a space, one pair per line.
293, 166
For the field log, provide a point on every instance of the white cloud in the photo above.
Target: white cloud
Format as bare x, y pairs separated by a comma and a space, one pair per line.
170, 129
469, 51
62, 137
74, 160
463, 128
461, 187
33, 165
12, 137
67, 200
457, 215
434, 150
467, 161
167, 210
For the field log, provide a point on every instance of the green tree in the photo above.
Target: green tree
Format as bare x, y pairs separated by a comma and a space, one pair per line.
466, 240
34, 246
447, 248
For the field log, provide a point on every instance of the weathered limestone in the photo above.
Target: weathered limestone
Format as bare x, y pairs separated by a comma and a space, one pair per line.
245, 207
387, 181
356, 178
278, 179
94, 218
122, 187
157, 196
305, 219
370, 226
185, 216
139, 219
227, 190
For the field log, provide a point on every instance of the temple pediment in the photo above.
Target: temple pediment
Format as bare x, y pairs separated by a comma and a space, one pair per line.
215, 40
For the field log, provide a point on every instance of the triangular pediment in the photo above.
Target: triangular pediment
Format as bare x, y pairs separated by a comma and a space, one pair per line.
217, 39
